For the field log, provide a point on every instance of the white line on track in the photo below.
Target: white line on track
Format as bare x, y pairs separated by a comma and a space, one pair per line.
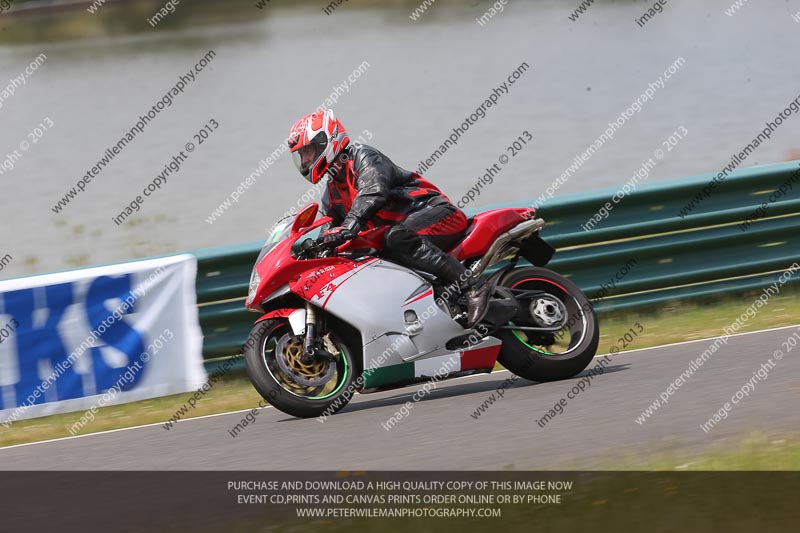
176, 424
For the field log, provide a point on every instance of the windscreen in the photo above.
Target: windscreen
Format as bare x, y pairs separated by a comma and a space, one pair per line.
281, 232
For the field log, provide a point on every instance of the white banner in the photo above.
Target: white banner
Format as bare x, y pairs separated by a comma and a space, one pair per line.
101, 336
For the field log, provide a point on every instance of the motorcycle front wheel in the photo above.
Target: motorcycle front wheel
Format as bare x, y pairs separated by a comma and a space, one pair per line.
276, 368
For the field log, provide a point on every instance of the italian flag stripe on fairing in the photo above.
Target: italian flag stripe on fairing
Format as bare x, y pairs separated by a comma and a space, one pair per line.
479, 358
432, 367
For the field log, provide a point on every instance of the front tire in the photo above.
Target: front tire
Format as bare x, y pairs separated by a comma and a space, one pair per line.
575, 345
304, 390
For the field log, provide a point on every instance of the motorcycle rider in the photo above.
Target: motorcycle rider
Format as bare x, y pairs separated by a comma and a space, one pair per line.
366, 189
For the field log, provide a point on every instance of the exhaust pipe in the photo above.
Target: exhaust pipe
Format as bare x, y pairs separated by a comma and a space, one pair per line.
517, 232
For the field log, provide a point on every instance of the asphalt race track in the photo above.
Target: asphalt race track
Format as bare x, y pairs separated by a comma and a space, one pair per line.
596, 430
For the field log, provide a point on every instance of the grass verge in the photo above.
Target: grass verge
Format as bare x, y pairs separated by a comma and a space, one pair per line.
756, 452
230, 394
677, 322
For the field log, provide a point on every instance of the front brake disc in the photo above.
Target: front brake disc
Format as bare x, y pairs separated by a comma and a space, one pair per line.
289, 355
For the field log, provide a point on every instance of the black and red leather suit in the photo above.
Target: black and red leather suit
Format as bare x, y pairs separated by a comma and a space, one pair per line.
370, 190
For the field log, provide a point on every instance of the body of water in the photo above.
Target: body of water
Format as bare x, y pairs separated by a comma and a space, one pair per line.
416, 82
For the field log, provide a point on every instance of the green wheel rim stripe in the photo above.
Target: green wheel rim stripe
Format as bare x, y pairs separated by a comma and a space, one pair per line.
543, 352
341, 381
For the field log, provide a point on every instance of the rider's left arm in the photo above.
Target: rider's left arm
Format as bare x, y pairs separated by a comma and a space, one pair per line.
374, 185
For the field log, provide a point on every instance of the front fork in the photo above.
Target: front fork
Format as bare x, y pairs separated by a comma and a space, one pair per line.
311, 331
310, 349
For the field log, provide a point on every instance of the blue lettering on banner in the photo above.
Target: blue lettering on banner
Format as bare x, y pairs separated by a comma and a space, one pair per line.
38, 341
35, 344
119, 335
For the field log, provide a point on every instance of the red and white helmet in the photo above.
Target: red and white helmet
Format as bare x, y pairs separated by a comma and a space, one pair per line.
316, 140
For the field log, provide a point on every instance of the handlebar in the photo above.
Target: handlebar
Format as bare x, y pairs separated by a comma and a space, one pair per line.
314, 248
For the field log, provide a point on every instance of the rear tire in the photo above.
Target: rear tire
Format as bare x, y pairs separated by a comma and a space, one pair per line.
278, 388
536, 363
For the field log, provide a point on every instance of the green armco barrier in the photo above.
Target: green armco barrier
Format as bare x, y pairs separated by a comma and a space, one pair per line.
701, 254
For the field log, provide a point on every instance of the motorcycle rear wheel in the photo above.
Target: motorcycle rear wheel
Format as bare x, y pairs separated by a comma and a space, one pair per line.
524, 353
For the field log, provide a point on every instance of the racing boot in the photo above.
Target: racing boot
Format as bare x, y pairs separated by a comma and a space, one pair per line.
417, 252
477, 291
477, 302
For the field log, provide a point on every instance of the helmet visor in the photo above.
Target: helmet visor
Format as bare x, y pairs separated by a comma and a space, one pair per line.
308, 156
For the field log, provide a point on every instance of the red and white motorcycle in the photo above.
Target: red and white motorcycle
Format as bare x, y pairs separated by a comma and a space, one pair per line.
344, 321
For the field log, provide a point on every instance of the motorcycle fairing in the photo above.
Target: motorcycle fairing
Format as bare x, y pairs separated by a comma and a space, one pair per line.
394, 309
480, 358
486, 227
317, 285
